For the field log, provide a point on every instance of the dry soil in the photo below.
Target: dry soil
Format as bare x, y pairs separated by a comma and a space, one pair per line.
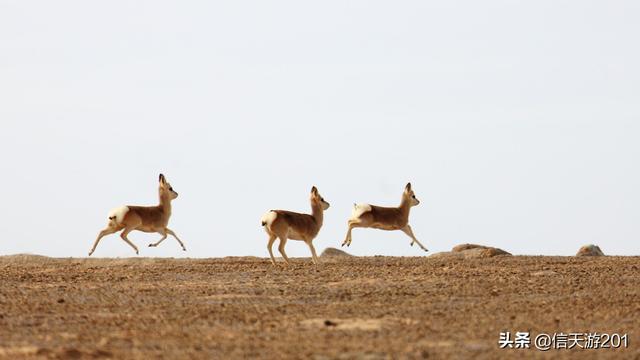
352, 307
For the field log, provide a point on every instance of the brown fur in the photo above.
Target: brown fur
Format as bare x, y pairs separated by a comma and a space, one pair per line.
296, 226
388, 218
149, 219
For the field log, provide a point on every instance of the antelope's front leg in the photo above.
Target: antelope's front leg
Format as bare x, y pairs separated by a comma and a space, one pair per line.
407, 230
314, 256
170, 232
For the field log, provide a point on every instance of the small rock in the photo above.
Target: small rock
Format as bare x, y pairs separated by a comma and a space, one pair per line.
544, 273
491, 252
590, 250
463, 247
333, 252
471, 251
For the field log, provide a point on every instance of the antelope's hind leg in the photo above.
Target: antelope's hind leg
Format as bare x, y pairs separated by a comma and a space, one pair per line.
124, 234
272, 239
283, 242
352, 224
103, 233
164, 236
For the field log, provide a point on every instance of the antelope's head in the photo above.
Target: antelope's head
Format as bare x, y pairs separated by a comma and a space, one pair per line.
410, 196
165, 189
317, 199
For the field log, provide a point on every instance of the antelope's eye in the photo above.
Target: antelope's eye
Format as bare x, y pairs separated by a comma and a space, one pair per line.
321, 199
413, 196
170, 189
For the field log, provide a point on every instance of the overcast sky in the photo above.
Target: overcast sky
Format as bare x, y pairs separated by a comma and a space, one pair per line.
516, 122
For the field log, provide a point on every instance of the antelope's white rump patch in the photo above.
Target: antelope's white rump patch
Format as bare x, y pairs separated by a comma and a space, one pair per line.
269, 218
359, 209
116, 216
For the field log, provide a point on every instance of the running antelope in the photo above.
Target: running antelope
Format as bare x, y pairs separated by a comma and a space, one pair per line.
151, 219
290, 225
385, 218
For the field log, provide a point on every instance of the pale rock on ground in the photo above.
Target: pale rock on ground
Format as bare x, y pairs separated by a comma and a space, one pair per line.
333, 252
590, 250
471, 251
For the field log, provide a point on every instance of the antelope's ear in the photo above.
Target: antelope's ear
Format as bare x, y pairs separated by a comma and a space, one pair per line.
314, 191
162, 179
408, 187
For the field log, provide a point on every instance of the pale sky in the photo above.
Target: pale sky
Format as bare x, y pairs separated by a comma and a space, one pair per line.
516, 122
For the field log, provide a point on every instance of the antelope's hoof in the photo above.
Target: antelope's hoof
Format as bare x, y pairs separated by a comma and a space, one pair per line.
184, 249
151, 245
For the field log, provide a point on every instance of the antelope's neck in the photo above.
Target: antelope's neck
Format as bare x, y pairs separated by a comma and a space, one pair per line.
317, 213
405, 207
165, 205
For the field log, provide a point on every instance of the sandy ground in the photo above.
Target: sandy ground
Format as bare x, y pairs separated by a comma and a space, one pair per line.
368, 308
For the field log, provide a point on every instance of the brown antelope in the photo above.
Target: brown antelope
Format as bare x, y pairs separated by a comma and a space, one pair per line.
151, 219
385, 218
286, 225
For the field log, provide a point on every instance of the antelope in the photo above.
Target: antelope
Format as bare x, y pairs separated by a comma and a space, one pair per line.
385, 218
290, 225
151, 219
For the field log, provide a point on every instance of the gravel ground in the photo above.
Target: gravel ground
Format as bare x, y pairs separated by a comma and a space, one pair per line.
353, 307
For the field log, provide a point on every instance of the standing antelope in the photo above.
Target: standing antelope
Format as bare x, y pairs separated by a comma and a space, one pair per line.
385, 218
290, 225
149, 219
